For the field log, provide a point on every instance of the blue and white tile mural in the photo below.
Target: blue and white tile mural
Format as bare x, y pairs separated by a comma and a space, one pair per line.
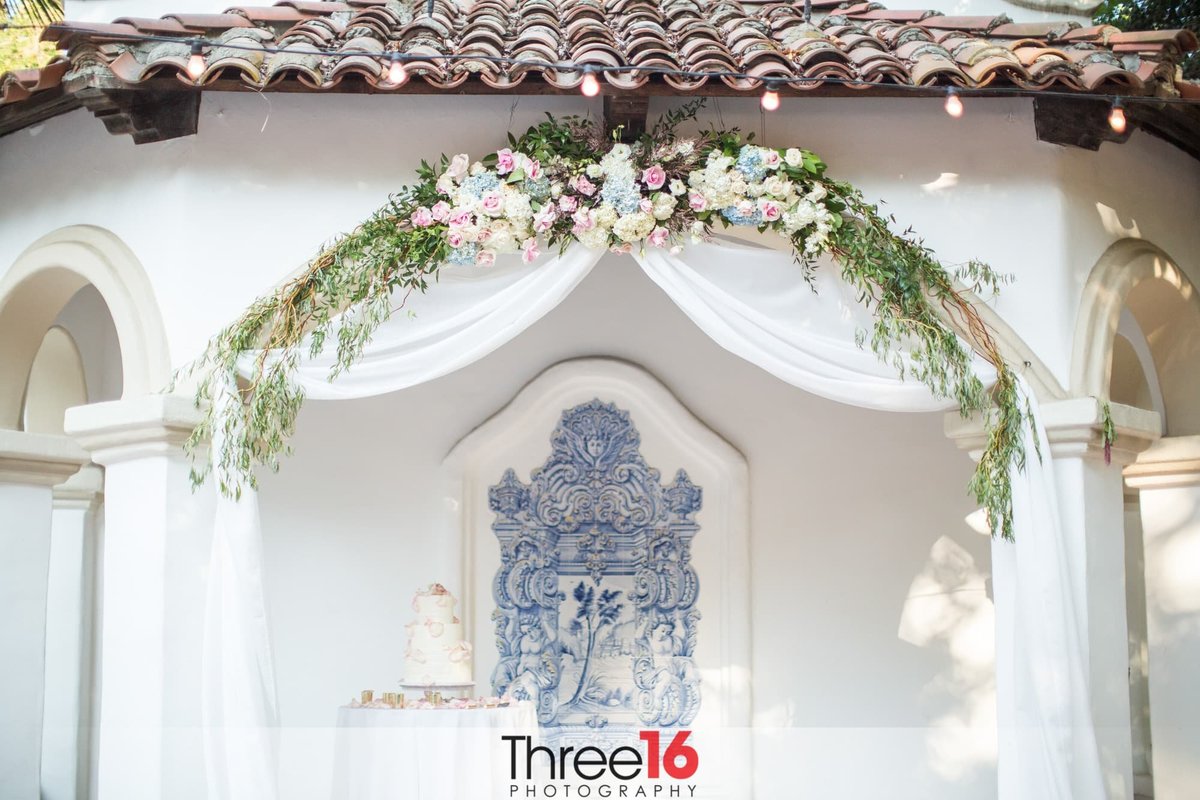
596, 595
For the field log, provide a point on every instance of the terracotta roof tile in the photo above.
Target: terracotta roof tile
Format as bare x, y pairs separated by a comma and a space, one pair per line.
865, 43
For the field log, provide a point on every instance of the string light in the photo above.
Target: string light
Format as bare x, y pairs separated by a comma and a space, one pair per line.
397, 75
195, 64
1116, 117
590, 86
770, 97
954, 104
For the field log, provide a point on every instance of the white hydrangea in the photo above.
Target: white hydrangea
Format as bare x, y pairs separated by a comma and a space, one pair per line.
606, 216
594, 238
516, 205
633, 227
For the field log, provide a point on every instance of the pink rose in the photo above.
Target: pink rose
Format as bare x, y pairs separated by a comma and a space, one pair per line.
568, 203
697, 201
492, 203
658, 237
654, 177
454, 238
459, 217
770, 210
545, 219
505, 161
645, 206
440, 211
533, 170
772, 159
622, 249
745, 208
583, 220
529, 250
422, 217
458, 166
582, 185
485, 258
484, 235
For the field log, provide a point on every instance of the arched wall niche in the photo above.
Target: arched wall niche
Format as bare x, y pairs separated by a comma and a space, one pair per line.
56, 382
671, 438
1140, 280
44, 279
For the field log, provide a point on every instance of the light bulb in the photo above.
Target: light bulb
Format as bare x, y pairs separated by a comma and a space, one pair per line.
590, 86
397, 74
770, 98
954, 105
195, 64
1116, 118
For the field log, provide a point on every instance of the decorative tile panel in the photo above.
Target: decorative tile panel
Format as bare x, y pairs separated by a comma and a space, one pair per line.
595, 615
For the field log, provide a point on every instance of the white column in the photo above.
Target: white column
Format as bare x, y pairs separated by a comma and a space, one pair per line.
30, 465
66, 717
157, 533
1091, 504
1168, 478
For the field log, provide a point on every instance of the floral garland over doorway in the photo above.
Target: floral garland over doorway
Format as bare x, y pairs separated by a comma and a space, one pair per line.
562, 182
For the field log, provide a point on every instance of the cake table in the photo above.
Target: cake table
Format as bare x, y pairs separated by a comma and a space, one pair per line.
426, 753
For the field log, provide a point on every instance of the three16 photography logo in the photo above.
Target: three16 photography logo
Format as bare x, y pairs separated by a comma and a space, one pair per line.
537, 771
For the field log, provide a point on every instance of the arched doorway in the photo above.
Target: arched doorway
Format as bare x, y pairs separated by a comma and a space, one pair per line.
78, 325
1137, 343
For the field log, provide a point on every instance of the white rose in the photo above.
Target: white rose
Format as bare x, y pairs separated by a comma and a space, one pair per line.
664, 206
677, 187
793, 157
594, 170
777, 186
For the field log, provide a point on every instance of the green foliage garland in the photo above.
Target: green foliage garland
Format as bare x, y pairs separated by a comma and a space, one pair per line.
562, 183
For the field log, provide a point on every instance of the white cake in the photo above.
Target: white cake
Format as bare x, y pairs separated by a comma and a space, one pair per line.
436, 654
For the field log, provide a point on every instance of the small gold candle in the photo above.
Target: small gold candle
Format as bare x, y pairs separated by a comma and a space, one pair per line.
390, 699
367, 696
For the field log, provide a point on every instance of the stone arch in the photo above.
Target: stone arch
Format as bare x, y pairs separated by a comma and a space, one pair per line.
1142, 280
42, 281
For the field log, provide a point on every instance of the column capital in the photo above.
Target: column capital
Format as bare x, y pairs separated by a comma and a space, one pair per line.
38, 459
1170, 462
1075, 429
82, 490
138, 427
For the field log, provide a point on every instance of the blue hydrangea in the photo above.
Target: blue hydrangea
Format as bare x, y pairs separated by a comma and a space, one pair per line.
735, 217
478, 185
538, 189
750, 164
622, 195
463, 256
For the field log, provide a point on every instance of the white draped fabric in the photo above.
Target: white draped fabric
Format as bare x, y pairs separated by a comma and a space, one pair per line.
753, 303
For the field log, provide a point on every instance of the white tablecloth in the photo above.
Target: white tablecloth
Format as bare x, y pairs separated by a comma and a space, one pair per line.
427, 754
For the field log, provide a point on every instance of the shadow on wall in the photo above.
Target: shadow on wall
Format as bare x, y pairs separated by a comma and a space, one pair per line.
949, 611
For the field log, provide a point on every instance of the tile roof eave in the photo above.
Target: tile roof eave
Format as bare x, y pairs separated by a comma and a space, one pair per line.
915, 48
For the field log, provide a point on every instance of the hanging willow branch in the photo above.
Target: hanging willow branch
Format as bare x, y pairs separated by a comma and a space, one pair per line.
561, 184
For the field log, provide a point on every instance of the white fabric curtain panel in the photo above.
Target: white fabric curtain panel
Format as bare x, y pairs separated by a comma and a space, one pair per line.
753, 302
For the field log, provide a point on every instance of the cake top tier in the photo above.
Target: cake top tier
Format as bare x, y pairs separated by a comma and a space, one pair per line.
434, 599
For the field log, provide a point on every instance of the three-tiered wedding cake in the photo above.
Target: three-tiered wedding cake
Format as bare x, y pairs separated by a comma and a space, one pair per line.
436, 654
